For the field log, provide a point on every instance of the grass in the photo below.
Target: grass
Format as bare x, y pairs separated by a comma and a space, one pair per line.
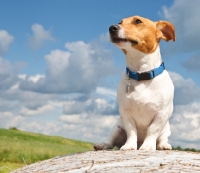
185, 149
18, 148
6, 167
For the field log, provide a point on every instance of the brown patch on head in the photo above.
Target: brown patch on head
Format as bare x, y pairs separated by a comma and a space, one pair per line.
146, 33
124, 50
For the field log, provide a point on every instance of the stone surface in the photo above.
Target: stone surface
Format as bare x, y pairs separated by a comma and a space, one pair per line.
118, 161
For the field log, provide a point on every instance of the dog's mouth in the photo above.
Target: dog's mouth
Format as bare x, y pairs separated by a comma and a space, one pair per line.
118, 40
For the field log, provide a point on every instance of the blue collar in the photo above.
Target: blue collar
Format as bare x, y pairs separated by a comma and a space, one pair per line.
146, 75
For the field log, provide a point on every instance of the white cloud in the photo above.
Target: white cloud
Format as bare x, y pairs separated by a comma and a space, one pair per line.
28, 103
185, 124
105, 37
73, 119
6, 114
90, 118
7, 75
57, 62
5, 40
106, 91
78, 70
40, 35
80, 114
91, 105
33, 79
5, 66
38, 111
11, 120
184, 15
22, 76
186, 91
94, 128
186, 117
48, 128
95, 121
17, 119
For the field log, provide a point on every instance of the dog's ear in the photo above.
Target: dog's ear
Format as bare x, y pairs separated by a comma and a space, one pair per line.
165, 31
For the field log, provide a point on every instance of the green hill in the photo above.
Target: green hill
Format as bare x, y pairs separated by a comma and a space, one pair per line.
18, 148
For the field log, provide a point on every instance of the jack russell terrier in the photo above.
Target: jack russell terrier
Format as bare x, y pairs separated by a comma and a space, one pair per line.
145, 92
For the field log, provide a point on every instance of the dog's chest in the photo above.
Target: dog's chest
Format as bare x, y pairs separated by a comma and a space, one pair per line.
142, 98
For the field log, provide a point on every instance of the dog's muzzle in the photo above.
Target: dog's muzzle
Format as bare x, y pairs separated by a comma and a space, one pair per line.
116, 38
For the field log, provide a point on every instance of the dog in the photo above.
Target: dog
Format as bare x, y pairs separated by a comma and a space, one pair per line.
145, 92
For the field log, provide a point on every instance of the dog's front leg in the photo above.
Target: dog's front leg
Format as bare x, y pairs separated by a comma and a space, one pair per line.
154, 130
130, 127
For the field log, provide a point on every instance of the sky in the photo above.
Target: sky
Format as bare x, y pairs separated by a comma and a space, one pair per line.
59, 72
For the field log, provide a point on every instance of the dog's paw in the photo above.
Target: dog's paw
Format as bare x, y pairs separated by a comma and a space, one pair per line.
103, 146
128, 147
164, 146
148, 146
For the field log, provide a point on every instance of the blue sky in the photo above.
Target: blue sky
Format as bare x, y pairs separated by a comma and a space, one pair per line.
59, 72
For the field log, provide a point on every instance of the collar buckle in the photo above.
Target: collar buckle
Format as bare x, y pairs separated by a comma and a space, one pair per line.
145, 76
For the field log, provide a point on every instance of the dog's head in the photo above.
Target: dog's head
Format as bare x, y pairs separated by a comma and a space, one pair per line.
141, 33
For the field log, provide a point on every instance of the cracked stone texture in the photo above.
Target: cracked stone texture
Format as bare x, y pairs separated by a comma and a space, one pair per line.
118, 161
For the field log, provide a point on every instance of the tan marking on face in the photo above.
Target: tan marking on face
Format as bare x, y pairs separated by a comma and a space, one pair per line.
124, 50
147, 33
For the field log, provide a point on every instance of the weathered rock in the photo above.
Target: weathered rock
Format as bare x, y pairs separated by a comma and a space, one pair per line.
118, 161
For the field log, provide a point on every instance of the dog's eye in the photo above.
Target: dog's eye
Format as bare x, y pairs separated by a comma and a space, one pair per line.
137, 21
120, 23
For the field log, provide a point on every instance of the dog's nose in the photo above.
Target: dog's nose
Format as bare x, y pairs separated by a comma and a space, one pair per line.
114, 28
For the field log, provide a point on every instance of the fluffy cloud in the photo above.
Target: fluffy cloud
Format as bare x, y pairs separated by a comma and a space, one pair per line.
31, 110
82, 126
106, 92
186, 117
5, 40
91, 106
187, 31
185, 21
186, 91
91, 128
27, 103
7, 75
6, 114
77, 70
40, 35
185, 125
